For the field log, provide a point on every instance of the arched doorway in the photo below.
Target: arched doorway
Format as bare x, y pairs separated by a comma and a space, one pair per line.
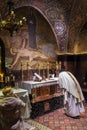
2, 57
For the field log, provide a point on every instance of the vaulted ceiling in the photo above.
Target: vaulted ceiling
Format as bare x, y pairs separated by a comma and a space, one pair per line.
67, 18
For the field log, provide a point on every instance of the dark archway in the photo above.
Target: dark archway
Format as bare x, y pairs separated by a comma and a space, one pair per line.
2, 55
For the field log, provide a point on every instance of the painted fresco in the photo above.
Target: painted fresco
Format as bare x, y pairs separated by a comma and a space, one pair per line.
18, 51
81, 42
58, 29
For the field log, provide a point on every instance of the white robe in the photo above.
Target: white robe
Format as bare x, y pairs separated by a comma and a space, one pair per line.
73, 96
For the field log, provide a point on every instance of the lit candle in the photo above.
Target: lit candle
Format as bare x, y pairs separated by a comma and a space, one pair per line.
12, 12
20, 22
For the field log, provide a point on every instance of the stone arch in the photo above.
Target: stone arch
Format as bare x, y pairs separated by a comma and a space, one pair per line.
58, 25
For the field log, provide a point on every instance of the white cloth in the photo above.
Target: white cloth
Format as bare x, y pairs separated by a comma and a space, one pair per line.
72, 108
73, 96
71, 85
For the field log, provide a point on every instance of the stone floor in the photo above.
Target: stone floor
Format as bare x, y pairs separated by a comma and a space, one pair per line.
57, 120
27, 126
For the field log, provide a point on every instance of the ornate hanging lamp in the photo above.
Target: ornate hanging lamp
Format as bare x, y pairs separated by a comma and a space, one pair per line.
10, 22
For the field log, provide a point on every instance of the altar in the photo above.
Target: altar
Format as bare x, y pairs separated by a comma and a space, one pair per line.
23, 95
46, 95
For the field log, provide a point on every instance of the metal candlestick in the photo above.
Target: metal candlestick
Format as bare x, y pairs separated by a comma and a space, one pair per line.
27, 70
39, 68
21, 71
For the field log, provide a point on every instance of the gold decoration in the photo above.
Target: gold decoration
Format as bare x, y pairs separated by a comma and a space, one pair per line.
57, 67
21, 70
60, 65
28, 64
39, 68
1, 77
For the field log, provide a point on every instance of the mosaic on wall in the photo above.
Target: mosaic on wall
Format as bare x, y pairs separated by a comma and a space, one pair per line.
56, 16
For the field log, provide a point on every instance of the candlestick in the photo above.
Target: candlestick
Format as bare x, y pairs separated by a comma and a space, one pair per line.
57, 67
60, 65
1, 77
27, 65
44, 76
39, 68
48, 70
21, 70
48, 65
27, 70
13, 78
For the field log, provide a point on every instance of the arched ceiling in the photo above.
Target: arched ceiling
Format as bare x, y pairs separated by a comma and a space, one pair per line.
65, 17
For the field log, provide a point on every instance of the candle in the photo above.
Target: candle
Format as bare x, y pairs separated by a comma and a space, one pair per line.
47, 65
43, 76
0, 63
1, 77
13, 78
27, 65
48, 70
27, 70
39, 68
57, 67
60, 65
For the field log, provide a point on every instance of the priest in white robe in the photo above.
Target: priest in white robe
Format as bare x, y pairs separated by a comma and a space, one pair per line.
73, 96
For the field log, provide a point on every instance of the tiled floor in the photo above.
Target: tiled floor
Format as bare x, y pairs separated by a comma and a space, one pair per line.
56, 120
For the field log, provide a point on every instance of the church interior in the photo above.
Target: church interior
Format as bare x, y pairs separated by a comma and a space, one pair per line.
38, 40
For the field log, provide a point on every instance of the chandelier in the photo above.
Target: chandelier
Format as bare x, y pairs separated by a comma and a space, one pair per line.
11, 23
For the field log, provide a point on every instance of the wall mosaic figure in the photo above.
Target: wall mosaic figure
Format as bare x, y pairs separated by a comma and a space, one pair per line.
31, 21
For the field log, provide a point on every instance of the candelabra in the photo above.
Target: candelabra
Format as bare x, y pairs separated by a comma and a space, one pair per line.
10, 22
